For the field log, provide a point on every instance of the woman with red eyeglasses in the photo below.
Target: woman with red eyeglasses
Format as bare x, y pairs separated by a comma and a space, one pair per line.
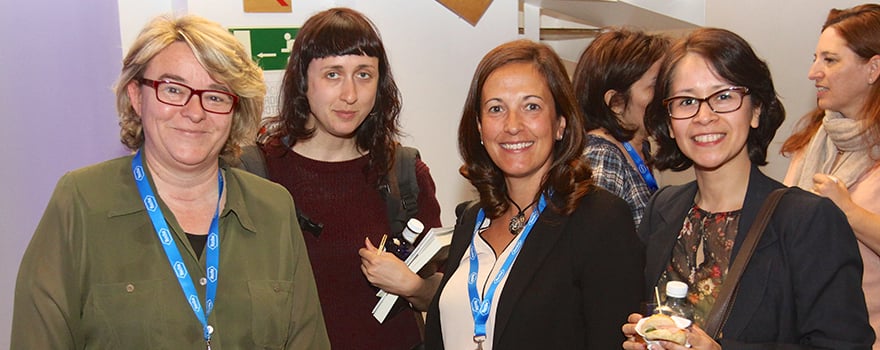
169, 248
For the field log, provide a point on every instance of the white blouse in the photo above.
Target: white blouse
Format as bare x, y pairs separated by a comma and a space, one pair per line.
456, 319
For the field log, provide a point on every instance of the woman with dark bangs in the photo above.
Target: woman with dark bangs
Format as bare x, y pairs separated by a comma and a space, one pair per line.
332, 147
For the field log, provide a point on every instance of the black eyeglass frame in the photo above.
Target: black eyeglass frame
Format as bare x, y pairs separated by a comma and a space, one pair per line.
155, 85
741, 90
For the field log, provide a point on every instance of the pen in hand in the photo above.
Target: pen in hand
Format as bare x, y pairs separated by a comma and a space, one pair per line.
382, 245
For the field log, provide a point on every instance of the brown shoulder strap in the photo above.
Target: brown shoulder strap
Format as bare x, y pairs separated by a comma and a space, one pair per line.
721, 309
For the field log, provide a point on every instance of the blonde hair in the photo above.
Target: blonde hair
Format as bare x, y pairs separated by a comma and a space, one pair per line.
222, 56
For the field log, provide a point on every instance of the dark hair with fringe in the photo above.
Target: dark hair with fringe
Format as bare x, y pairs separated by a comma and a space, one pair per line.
338, 32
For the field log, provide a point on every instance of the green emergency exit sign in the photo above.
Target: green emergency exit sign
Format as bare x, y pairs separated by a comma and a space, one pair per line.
269, 47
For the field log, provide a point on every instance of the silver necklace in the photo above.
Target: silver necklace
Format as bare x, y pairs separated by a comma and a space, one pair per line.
518, 221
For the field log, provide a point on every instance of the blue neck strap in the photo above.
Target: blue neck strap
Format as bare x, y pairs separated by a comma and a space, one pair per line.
641, 167
212, 247
480, 307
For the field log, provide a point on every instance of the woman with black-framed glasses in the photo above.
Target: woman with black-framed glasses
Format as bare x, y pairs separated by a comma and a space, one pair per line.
170, 248
801, 288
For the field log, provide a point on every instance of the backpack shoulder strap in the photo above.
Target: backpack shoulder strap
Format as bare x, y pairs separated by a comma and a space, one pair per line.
408, 185
402, 190
252, 160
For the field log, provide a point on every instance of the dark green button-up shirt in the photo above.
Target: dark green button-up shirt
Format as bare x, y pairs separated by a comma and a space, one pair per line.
96, 277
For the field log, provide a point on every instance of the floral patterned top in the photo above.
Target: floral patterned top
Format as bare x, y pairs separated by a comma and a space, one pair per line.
701, 256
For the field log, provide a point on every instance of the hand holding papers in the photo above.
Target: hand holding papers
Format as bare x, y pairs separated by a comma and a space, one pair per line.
431, 247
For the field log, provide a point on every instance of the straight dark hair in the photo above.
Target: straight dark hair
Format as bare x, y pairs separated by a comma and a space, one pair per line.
614, 60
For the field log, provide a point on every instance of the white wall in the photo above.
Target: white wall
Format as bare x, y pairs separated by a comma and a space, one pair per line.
784, 33
434, 54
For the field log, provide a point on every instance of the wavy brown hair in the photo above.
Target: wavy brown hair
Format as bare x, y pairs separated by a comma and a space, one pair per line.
339, 32
219, 53
860, 28
732, 59
569, 177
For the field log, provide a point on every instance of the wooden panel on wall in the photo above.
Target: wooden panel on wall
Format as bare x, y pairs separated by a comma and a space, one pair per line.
267, 6
470, 10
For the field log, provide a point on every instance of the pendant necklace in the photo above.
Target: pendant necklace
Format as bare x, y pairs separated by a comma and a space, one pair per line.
519, 220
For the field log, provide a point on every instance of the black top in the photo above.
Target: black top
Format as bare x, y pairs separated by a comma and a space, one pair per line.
197, 242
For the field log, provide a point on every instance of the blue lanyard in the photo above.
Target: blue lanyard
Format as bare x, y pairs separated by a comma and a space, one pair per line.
480, 308
212, 247
641, 167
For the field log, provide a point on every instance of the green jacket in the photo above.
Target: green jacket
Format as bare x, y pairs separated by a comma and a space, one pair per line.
96, 277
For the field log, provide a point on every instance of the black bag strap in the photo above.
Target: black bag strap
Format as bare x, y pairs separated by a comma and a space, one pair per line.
401, 188
252, 160
727, 294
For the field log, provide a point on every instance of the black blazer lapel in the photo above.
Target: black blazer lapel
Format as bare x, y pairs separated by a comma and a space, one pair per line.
759, 188
461, 238
748, 300
671, 205
540, 243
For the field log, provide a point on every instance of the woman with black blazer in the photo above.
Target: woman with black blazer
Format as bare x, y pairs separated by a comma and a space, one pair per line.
544, 259
715, 108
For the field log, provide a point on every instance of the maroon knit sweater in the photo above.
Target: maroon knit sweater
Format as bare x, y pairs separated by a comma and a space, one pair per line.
341, 197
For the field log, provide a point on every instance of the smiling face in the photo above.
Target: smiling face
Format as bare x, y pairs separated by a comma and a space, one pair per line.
712, 140
179, 136
341, 93
842, 77
518, 121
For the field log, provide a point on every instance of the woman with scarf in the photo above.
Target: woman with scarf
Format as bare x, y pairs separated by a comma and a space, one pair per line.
837, 153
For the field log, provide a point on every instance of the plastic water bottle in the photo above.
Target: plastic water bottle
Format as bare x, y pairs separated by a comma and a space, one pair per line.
676, 301
403, 244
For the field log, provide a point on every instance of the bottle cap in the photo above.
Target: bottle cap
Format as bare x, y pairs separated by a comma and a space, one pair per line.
676, 289
413, 228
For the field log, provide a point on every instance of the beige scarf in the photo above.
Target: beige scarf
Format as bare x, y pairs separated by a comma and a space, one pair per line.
839, 137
